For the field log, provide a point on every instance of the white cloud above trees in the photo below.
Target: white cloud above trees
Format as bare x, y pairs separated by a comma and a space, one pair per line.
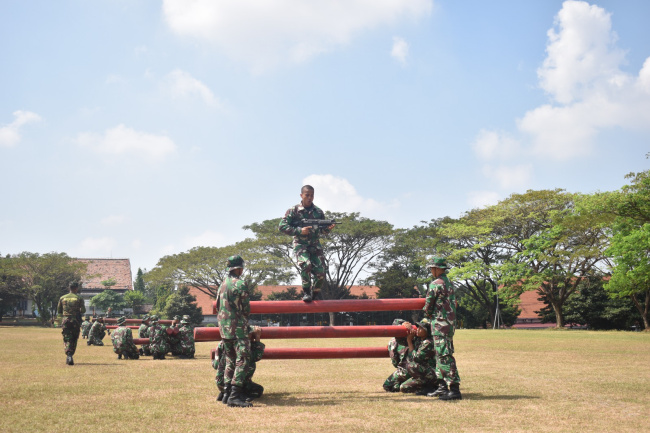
265, 34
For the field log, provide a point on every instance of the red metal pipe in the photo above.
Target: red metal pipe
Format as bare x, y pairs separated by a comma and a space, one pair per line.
271, 332
115, 327
140, 341
134, 321
323, 353
333, 306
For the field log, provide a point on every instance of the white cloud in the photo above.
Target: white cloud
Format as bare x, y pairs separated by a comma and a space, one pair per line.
336, 194
10, 134
479, 199
113, 220
510, 176
208, 238
183, 85
490, 145
400, 50
582, 74
103, 246
121, 140
265, 34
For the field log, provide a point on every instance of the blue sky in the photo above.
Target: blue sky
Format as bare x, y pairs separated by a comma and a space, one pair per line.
144, 128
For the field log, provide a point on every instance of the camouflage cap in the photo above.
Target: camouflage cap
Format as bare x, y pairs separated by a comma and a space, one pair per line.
145, 318
153, 318
425, 324
184, 321
438, 262
75, 285
186, 317
235, 262
121, 321
177, 318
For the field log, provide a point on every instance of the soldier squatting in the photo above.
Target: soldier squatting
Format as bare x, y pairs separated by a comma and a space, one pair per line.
423, 360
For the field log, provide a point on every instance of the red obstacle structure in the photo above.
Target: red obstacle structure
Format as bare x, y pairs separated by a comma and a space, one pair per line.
140, 341
115, 327
286, 332
135, 321
336, 306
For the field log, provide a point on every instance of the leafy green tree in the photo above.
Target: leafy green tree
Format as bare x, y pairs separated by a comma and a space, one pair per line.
138, 284
109, 282
180, 303
290, 294
630, 245
134, 299
108, 298
45, 278
10, 285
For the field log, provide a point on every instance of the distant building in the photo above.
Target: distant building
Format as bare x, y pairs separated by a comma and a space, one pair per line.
99, 270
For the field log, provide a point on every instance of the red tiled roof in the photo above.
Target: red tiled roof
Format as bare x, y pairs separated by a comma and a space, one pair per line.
202, 300
102, 269
528, 304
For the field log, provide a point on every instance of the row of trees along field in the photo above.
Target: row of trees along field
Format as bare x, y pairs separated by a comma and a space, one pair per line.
586, 255
577, 251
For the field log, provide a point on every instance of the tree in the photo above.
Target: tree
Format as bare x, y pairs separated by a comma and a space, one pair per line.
109, 282
181, 303
138, 284
45, 278
134, 299
630, 246
556, 244
290, 294
10, 285
108, 298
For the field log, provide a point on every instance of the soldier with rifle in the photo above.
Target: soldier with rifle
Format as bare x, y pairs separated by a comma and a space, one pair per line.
305, 222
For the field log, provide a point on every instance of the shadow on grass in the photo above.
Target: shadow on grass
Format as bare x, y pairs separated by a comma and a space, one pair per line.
81, 364
479, 396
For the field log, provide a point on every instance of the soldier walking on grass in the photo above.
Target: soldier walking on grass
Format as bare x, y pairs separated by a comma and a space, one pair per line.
69, 310
440, 309
233, 301
306, 243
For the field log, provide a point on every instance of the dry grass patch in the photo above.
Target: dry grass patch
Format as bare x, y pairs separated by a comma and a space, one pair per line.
511, 381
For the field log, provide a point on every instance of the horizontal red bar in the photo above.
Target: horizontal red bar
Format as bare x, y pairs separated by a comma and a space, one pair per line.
115, 327
333, 306
140, 341
323, 353
134, 321
272, 332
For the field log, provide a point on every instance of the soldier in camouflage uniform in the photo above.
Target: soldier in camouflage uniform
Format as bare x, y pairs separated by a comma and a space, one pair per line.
306, 243
69, 311
186, 337
233, 301
398, 351
97, 333
143, 332
252, 390
173, 339
85, 327
123, 341
440, 309
157, 338
420, 362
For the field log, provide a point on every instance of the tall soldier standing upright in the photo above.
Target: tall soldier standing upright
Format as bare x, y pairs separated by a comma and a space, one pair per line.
306, 242
70, 308
440, 308
234, 305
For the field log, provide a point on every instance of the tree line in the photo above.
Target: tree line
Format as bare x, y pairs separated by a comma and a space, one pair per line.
585, 255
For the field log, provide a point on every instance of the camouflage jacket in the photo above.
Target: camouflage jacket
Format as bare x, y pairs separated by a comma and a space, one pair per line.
186, 336
122, 338
158, 338
233, 302
85, 326
440, 307
98, 330
257, 350
71, 305
297, 213
424, 353
143, 331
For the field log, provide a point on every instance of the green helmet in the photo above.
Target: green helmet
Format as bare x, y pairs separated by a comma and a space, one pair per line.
235, 262
425, 324
153, 318
438, 262
121, 321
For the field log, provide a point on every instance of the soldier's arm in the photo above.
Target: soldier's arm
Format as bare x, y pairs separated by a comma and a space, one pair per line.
83, 305
286, 226
432, 293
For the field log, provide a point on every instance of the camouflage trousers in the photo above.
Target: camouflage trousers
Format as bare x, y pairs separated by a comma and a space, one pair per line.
420, 376
84, 332
131, 351
395, 380
70, 328
96, 339
310, 261
238, 361
445, 362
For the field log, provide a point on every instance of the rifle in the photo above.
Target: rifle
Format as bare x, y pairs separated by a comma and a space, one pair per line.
314, 223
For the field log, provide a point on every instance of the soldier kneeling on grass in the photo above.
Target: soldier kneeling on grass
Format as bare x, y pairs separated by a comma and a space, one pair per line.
420, 362
123, 341
398, 351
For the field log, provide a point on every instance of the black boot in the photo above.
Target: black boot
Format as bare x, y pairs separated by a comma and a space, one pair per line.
69, 360
316, 295
220, 396
119, 356
453, 393
141, 351
237, 398
306, 297
125, 356
226, 394
442, 389
255, 390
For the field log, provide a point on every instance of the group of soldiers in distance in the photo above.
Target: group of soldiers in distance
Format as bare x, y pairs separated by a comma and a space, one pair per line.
424, 359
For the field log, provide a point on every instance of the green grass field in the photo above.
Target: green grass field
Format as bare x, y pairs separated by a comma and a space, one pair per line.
540, 381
